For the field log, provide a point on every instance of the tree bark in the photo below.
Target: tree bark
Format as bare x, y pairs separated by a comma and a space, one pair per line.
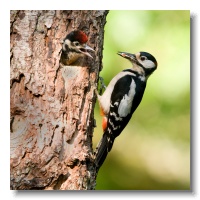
51, 106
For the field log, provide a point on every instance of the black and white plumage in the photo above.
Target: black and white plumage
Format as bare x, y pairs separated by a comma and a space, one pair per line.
121, 98
74, 48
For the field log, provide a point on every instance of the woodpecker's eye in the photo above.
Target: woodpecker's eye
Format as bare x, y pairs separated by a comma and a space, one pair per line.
76, 43
143, 58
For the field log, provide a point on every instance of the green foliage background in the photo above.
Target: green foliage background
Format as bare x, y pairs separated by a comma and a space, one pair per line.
153, 152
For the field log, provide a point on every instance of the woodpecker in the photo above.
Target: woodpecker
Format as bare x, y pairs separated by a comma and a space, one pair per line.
121, 98
75, 47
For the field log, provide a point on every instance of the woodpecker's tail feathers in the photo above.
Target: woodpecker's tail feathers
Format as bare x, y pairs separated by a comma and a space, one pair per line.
102, 150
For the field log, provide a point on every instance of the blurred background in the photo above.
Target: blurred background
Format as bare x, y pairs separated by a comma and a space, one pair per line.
153, 151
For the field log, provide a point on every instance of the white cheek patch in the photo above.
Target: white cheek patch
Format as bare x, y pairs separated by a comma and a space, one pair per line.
148, 64
126, 103
66, 42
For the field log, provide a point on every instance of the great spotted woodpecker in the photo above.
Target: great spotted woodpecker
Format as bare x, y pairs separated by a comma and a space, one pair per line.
121, 98
75, 47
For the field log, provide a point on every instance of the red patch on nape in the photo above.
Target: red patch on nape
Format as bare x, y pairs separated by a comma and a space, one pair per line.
80, 36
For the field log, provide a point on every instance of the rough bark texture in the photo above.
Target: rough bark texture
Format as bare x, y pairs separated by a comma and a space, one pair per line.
52, 106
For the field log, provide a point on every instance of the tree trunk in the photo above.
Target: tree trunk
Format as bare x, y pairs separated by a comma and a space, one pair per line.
51, 106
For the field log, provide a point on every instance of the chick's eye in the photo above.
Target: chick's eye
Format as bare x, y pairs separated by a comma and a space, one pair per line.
76, 43
143, 58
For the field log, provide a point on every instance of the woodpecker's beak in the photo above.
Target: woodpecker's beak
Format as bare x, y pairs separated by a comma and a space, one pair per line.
85, 48
128, 56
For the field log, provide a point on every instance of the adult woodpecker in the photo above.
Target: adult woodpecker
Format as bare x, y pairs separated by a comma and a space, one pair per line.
75, 47
121, 98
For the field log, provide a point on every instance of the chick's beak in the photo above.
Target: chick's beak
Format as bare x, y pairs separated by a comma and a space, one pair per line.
128, 56
85, 50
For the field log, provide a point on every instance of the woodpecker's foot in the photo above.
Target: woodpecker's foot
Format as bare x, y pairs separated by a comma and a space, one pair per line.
102, 85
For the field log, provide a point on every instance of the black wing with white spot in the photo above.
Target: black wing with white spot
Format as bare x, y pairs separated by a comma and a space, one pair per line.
126, 96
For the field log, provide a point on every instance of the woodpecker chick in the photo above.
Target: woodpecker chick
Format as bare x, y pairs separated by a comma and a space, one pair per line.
121, 98
75, 47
